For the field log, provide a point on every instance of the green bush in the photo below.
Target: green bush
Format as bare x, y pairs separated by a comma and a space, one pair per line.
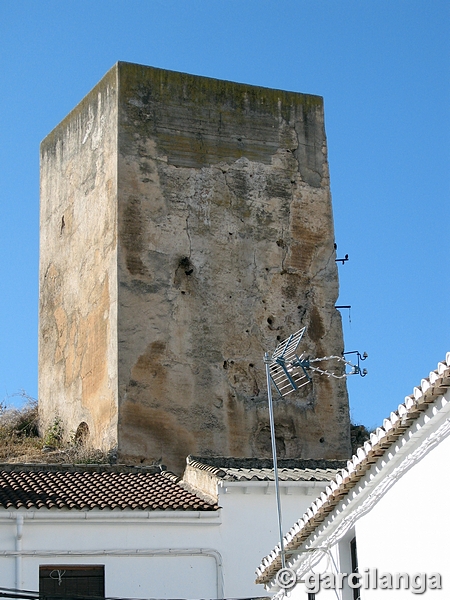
54, 435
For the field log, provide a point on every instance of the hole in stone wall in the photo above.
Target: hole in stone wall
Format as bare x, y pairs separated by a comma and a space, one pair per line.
82, 433
186, 265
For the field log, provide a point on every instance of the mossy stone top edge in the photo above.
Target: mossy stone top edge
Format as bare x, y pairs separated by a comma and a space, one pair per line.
132, 74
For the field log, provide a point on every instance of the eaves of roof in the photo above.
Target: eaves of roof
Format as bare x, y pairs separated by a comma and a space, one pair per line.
436, 385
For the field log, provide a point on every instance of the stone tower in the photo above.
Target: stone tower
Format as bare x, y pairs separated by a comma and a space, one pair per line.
186, 228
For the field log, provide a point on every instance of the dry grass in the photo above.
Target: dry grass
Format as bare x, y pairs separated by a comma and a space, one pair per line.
20, 441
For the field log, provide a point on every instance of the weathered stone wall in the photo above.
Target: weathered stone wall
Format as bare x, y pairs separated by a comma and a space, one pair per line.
78, 269
186, 228
225, 247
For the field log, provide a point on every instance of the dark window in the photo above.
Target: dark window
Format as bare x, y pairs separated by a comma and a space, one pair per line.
354, 556
311, 596
61, 582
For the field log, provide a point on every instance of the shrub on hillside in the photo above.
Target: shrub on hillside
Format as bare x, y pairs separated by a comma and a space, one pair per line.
19, 422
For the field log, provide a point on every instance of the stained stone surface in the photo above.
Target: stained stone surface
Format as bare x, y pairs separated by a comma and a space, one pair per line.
186, 228
78, 269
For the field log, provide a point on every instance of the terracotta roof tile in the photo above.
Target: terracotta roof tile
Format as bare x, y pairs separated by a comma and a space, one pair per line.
87, 487
261, 469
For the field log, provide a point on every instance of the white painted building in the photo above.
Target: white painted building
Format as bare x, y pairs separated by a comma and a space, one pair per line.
137, 532
383, 516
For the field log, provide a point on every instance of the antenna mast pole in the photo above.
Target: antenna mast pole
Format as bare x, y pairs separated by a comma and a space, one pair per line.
267, 362
289, 372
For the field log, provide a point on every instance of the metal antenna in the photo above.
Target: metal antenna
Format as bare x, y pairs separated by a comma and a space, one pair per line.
342, 260
289, 372
268, 362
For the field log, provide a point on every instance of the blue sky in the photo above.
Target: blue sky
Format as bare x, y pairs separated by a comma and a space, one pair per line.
383, 70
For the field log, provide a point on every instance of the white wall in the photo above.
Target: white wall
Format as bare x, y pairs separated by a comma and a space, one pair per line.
95, 541
408, 530
398, 513
335, 558
144, 576
225, 545
250, 526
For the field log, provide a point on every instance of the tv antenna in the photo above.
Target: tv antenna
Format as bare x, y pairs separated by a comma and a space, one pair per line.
341, 260
288, 372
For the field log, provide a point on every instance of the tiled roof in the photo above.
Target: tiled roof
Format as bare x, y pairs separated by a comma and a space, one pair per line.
260, 469
381, 440
86, 487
